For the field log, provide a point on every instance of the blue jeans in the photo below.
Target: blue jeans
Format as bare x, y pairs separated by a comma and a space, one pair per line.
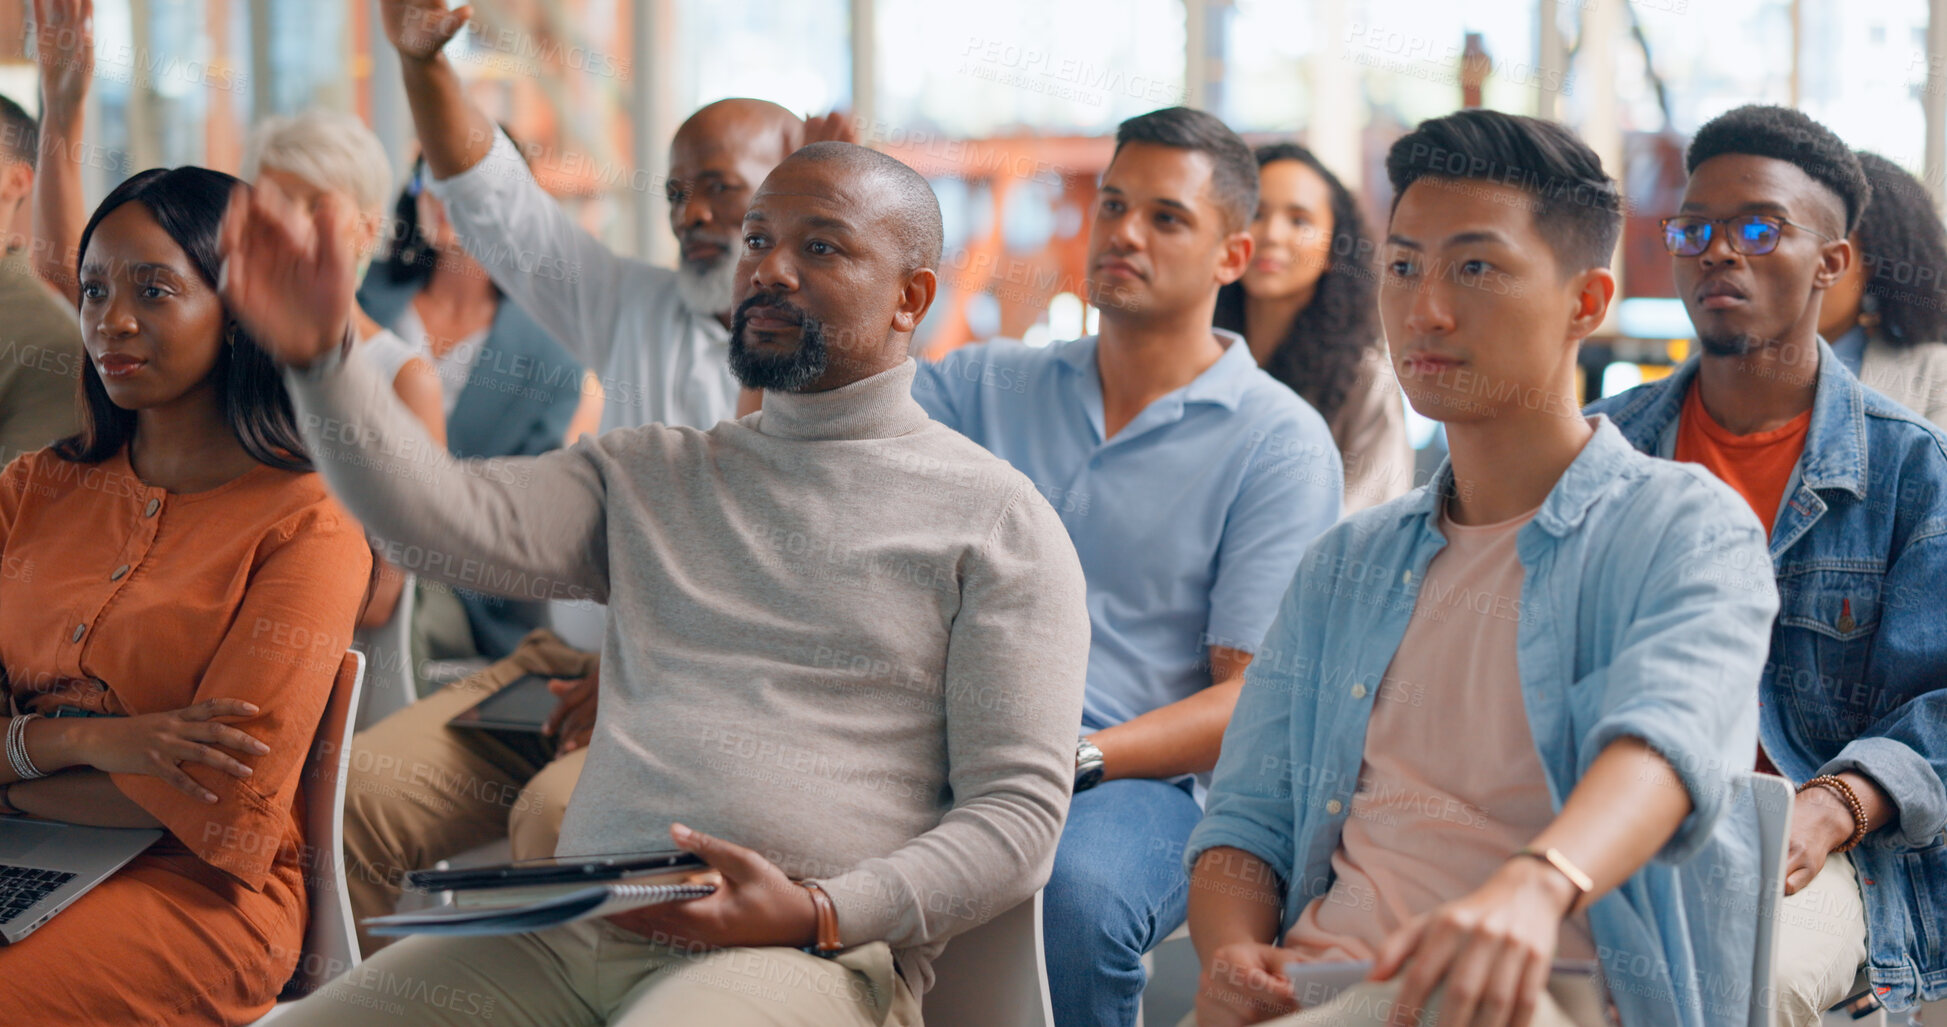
1117, 891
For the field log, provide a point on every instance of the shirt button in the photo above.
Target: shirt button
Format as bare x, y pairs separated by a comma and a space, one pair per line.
154, 505
1359, 690
1333, 806
79, 630
1406, 577
120, 573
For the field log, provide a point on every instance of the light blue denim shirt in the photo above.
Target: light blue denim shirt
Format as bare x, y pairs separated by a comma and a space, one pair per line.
1189, 522
1646, 606
1857, 677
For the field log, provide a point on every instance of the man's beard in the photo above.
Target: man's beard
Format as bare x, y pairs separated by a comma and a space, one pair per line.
708, 290
789, 372
1727, 344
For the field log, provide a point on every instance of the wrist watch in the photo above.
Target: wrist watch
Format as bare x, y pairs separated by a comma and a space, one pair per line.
1088, 765
1578, 880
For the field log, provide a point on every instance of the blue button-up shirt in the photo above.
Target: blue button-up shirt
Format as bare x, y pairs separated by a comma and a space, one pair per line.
1189, 522
1645, 610
1857, 677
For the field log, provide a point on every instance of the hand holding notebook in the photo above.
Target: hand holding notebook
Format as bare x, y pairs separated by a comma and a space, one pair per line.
529, 895
756, 904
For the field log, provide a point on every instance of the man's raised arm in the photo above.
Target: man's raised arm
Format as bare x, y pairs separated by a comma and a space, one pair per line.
528, 527
570, 282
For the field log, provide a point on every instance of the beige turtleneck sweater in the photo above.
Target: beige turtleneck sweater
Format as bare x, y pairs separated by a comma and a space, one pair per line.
839, 633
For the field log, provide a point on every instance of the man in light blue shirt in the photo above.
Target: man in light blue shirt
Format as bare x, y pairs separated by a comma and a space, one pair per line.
1191, 483
1642, 608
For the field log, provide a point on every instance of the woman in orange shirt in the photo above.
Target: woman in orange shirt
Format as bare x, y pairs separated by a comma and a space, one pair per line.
177, 595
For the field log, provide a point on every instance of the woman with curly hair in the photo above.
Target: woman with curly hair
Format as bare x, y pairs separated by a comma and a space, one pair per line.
1887, 318
1308, 308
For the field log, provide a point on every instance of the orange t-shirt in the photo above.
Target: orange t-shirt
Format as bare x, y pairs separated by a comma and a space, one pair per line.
1758, 466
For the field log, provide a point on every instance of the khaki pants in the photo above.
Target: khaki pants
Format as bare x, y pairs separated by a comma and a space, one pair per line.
594, 973
419, 792
1821, 944
1371, 1003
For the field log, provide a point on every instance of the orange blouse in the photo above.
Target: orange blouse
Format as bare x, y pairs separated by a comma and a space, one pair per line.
119, 597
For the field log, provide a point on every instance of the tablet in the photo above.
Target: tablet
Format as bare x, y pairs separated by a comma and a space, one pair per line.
523, 706
554, 870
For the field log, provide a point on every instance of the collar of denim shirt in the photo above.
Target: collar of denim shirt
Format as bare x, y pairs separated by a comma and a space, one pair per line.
1835, 444
1592, 472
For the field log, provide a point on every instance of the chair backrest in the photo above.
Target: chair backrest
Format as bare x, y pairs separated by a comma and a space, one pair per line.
330, 934
388, 662
1772, 798
993, 974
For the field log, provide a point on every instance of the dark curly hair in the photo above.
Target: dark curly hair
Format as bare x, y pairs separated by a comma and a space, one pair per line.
189, 204
1789, 135
1319, 356
1904, 249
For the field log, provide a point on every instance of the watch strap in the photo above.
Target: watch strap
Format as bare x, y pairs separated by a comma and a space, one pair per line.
1554, 858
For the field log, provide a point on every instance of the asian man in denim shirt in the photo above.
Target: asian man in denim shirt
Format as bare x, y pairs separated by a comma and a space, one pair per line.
1502, 718
1852, 707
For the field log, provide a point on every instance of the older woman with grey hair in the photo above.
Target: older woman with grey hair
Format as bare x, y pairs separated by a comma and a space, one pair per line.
318, 152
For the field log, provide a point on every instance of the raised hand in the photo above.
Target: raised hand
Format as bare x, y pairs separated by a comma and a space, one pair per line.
288, 277
64, 44
833, 127
419, 29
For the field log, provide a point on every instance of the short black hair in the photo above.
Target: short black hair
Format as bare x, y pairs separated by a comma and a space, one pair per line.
1789, 135
1904, 251
1233, 175
915, 208
1577, 208
20, 134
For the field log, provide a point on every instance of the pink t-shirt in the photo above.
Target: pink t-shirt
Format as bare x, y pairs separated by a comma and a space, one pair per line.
1451, 784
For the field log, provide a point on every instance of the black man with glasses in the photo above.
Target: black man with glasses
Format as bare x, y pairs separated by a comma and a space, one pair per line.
1849, 486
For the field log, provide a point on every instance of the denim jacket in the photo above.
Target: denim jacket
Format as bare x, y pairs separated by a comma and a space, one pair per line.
1857, 678
1641, 616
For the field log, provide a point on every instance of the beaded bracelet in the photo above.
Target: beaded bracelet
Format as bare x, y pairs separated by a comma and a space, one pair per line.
1845, 793
23, 764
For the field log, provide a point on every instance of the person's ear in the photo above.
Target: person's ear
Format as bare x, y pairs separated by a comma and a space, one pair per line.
1236, 256
20, 179
1834, 258
915, 298
1594, 289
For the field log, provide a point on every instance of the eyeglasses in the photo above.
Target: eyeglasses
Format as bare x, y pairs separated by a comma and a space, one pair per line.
1752, 235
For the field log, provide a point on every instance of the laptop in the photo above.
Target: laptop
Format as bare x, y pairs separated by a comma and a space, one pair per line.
45, 866
522, 707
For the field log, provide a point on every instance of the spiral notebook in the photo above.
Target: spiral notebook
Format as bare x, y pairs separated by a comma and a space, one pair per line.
584, 904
